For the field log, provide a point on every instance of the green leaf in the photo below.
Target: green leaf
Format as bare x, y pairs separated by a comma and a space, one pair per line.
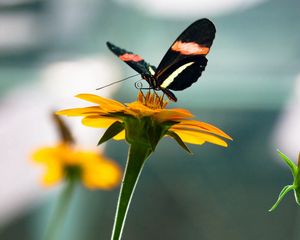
179, 141
283, 192
290, 163
297, 195
112, 131
155, 133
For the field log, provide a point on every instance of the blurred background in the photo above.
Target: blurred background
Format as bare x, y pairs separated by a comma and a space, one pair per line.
52, 50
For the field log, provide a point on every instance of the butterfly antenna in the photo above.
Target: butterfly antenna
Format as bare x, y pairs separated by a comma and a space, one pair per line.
138, 84
117, 81
144, 97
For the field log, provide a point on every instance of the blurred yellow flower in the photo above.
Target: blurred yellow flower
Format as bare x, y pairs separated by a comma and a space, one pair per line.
66, 161
108, 111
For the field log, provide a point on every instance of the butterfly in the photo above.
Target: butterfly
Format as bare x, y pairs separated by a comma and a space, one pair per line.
182, 64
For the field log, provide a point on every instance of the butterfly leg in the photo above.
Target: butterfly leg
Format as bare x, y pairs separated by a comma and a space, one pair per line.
144, 97
169, 94
156, 93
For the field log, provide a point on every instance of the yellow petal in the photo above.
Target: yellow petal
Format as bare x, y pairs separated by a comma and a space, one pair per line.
131, 112
198, 137
98, 121
105, 175
43, 155
139, 110
103, 102
83, 158
172, 115
120, 136
53, 174
82, 111
200, 126
51, 154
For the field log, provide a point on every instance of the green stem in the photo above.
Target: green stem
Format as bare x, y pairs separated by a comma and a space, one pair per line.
137, 155
60, 211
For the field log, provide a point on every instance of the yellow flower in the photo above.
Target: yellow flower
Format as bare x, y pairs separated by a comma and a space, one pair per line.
180, 126
142, 123
66, 161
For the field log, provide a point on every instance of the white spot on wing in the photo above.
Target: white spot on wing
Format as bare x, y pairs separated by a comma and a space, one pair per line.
151, 70
174, 74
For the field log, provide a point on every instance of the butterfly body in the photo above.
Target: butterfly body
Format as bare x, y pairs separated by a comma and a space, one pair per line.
182, 64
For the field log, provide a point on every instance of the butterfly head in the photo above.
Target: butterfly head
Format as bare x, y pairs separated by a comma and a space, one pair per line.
150, 80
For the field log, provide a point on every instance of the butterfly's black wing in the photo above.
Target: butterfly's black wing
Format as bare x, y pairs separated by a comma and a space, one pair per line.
133, 60
183, 74
185, 60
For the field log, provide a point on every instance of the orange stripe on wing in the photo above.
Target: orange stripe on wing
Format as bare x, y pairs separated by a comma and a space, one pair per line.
189, 48
130, 57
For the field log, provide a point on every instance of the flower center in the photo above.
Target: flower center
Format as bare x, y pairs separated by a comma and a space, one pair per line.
152, 100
